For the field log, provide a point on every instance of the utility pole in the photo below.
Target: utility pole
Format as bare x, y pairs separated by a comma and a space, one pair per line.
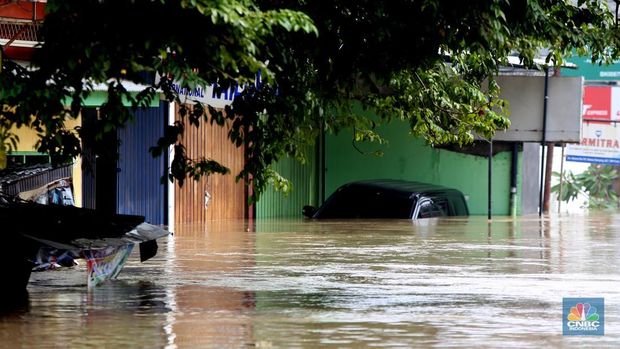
489, 182
543, 143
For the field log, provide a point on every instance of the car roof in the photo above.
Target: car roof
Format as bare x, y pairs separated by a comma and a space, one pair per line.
402, 186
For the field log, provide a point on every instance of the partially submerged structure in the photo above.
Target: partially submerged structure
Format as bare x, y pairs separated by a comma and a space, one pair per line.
52, 230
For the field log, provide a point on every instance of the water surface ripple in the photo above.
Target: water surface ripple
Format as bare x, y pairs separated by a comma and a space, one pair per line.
302, 284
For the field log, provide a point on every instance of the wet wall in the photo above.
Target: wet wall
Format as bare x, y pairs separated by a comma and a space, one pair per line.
408, 158
305, 188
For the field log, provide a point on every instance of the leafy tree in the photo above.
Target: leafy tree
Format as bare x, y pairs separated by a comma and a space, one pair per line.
8, 142
430, 63
597, 182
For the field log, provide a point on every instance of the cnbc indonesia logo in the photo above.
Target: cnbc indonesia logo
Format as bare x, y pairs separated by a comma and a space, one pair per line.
583, 316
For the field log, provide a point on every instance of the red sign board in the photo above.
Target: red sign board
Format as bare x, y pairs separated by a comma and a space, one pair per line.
597, 103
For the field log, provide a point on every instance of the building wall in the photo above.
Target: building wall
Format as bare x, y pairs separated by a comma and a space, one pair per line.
140, 190
23, 10
28, 139
274, 204
531, 178
227, 196
97, 98
408, 158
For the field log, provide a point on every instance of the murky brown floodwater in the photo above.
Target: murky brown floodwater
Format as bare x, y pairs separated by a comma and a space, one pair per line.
298, 284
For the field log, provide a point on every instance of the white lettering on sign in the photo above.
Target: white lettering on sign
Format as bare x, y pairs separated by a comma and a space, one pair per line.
597, 113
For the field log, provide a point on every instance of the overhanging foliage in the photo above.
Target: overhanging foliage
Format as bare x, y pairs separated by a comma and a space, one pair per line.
318, 59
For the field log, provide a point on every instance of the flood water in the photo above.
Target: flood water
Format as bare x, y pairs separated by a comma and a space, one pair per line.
459, 283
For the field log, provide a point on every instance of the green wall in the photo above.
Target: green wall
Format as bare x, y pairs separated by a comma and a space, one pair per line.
273, 204
97, 98
406, 157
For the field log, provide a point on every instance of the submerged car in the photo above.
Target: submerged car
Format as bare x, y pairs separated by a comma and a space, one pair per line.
391, 199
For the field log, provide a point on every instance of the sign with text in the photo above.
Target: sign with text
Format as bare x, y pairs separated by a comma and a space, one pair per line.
583, 316
208, 95
592, 71
211, 94
600, 142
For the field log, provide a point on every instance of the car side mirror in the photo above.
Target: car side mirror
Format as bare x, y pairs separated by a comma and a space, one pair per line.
308, 211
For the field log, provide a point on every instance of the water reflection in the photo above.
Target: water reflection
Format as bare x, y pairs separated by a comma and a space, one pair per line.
209, 315
302, 284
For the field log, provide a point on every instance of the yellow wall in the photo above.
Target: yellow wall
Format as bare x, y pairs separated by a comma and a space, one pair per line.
28, 137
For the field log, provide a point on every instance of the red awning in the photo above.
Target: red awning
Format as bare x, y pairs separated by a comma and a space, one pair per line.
25, 10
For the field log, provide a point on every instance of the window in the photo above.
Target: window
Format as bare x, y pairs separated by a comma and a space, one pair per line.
428, 209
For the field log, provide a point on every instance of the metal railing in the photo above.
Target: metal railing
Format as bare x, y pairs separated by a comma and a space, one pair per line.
20, 180
20, 30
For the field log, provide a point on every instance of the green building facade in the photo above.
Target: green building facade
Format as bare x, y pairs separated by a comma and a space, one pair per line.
405, 157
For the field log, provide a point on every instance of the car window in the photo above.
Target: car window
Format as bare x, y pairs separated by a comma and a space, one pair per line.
459, 206
429, 209
441, 203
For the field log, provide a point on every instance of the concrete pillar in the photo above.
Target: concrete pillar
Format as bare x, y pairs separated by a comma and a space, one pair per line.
530, 178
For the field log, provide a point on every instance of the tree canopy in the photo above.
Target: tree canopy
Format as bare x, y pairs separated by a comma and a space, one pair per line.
430, 63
